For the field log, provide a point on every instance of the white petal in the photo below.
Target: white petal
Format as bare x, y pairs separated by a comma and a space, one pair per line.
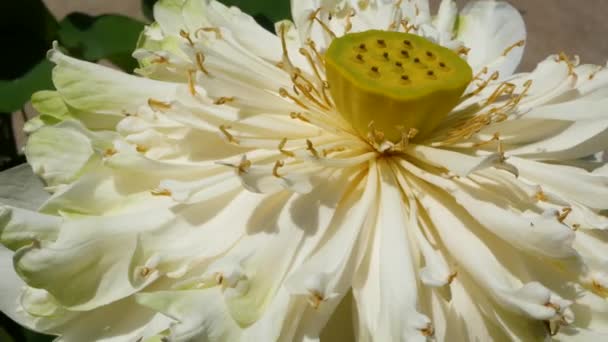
386, 289
488, 28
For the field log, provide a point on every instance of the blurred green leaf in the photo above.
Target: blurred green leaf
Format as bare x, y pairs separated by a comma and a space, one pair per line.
111, 37
265, 12
4, 336
273, 10
147, 7
31, 336
27, 29
13, 94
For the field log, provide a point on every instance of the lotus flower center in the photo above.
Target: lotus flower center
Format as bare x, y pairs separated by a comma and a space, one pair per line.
394, 82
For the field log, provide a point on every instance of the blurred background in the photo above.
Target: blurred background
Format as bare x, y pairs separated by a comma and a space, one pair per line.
107, 30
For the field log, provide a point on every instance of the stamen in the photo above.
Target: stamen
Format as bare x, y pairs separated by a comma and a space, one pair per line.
407, 27
327, 151
200, 60
223, 100
598, 69
504, 88
216, 30
313, 65
282, 33
284, 93
313, 46
283, 150
315, 299
562, 57
141, 148
191, 85
349, 25
159, 105
452, 277
161, 192
311, 148
576, 227
224, 129
275, 170
186, 36
429, 331
561, 217
520, 43
145, 271
299, 116
463, 51
314, 17
109, 152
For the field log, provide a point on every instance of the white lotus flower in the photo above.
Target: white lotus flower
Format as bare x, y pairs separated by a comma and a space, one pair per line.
317, 183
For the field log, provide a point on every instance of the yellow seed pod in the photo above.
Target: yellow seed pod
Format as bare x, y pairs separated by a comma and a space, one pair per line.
397, 81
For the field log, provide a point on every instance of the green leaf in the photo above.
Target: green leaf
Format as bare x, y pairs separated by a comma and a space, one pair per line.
27, 29
147, 6
13, 94
274, 10
111, 37
4, 336
266, 13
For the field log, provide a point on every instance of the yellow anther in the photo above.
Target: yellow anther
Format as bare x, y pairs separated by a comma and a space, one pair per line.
540, 195
561, 217
394, 79
284, 93
141, 148
452, 277
223, 100
599, 288
200, 62
576, 227
311, 148
216, 30
161, 192
277, 165
159, 60
328, 151
598, 69
463, 51
109, 152
219, 278
191, 82
483, 71
349, 25
224, 129
244, 167
186, 36
145, 271
315, 299
299, 116
520, 43
314, 17
159, 106
428, 331
407, 28
562, 57
283, 150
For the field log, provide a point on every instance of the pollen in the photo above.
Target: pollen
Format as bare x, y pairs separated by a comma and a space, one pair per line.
395, 80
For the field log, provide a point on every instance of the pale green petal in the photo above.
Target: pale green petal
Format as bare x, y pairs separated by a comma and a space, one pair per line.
51, 106
95, 261
19, 227
20, 187
101, 96
201, 313
58, 155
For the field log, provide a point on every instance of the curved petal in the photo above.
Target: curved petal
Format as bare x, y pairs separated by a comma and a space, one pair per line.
489, 29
